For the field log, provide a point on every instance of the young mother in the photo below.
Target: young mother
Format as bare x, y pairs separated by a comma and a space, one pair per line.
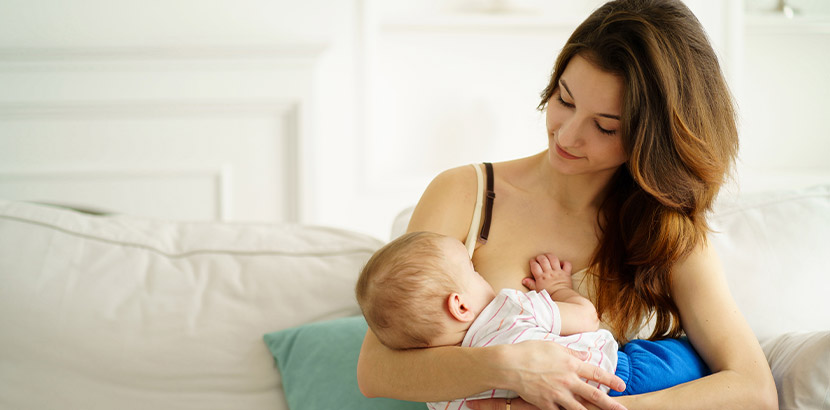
641, 135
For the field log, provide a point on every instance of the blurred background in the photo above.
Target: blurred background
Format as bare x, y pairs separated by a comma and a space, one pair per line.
340, 112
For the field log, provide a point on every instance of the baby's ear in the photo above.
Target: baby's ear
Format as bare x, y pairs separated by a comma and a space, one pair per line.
458, 309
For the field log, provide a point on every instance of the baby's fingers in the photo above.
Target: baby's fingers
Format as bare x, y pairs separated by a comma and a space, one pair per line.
535, 268
546, 262
554, 261
529, 283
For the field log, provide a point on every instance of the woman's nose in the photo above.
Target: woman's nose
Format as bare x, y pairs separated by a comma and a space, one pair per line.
569, 133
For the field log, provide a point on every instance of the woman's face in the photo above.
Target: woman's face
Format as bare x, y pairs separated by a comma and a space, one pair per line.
583, 120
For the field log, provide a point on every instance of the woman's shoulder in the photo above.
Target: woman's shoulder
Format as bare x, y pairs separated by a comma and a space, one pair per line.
447, 204
459, 178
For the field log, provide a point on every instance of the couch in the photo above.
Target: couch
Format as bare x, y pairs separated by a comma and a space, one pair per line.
121, 312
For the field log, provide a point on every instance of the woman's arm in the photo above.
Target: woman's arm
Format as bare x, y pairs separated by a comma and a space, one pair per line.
741, 378
434, 374
544, 373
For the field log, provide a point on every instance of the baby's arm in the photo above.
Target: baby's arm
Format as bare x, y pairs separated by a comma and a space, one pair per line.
578, 313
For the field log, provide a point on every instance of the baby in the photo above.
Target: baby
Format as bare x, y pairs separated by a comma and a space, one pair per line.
421, 290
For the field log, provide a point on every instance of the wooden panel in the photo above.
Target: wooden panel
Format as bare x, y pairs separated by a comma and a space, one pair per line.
183, 134
112, 156
175, 194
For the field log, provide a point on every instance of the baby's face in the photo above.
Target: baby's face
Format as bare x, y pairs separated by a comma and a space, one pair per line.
477, 290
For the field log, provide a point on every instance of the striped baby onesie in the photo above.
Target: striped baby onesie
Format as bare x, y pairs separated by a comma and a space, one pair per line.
515, 316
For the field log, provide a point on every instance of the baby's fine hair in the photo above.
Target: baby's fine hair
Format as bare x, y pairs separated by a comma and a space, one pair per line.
403, 289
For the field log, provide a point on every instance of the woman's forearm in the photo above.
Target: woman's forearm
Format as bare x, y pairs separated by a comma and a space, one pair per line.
433, 374
723, 390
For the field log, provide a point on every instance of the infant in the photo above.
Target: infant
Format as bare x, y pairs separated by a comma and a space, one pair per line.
421, 290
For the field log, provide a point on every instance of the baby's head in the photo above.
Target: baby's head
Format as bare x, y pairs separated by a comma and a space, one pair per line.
419, 289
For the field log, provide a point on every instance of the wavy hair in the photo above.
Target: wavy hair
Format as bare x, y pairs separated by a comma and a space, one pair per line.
679, 133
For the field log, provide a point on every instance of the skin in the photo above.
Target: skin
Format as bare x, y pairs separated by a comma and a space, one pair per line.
550, 201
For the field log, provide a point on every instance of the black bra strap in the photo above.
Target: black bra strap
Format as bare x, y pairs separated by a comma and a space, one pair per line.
490, 196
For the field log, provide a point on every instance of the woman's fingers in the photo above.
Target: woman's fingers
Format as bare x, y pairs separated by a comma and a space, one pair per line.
501, 404
595, 396
519, 404
552, 377
579, 354
596, 374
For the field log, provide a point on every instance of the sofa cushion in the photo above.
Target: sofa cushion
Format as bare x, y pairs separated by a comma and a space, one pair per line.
318, 364
130, 313
800, 363
773, 246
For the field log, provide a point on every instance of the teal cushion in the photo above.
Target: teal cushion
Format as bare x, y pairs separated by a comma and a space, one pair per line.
318, 364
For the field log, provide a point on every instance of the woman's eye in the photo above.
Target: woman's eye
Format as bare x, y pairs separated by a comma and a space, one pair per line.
561, 101
604, 131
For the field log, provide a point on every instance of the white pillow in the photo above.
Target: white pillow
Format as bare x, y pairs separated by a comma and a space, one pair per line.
800, 363
401, 222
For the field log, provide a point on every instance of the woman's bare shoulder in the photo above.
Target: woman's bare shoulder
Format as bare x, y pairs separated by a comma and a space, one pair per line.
447, 204
459, 178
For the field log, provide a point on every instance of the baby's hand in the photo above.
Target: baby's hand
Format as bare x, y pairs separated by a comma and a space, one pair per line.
549, 274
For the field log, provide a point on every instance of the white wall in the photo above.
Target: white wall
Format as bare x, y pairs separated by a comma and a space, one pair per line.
185, 109
784, 102
197, 105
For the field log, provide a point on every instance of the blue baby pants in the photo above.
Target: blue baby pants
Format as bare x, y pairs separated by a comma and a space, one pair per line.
647, 366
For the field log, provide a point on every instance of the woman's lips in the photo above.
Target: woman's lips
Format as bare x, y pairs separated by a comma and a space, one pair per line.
564, 154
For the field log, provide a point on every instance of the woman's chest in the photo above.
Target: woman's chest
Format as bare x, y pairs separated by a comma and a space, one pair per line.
517, 238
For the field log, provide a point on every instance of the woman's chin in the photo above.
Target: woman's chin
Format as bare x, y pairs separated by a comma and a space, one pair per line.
559, 164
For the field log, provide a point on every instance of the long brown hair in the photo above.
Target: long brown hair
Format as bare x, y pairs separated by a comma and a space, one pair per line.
678, 130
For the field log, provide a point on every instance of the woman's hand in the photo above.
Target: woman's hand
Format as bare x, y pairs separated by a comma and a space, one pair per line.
515, 404
550, 377
500, 404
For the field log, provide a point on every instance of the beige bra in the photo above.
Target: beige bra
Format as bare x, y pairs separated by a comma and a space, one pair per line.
484, 202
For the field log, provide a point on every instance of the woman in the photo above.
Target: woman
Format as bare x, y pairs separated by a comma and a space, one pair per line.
641, 135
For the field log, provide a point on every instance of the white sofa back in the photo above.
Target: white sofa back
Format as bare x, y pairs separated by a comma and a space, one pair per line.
128, 313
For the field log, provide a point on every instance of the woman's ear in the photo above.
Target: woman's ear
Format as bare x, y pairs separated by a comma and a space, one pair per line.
458, 309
